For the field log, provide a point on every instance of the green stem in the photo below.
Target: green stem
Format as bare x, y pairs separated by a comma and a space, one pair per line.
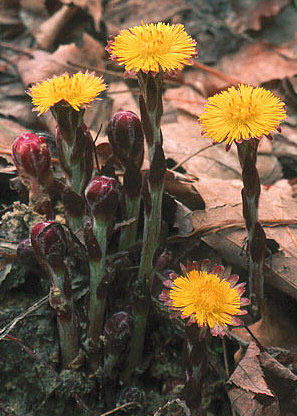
61, 300
129, 233
97, 290
151, 236
151, 108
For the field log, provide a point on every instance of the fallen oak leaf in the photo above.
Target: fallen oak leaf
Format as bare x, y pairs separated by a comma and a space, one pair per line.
248, 391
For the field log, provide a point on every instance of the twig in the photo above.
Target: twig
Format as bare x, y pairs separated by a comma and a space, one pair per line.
15, 48
9, 327
225, 358
119, 408
192, 155
216, 73
261, 347
240, 341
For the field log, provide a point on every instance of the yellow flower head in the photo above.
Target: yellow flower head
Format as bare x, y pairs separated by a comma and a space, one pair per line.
241, 113
206, 297
153, 47
77, 90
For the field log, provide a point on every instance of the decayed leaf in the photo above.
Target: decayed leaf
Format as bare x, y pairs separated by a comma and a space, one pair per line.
44, 65
254, 63
249, 14
222, 226
260, 62
14, 104
186, 99
123, 97
93, 6
123, 14
47, 33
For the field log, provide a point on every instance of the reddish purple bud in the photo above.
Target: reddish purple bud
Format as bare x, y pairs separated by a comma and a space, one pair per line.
48, 241
164, 260
117, 334
102, 195
126, 138
118, 330
31, 155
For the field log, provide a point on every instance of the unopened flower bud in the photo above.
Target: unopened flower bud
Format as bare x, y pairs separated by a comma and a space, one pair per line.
164, 260
118, 329
117, 334
126, 138
31, 156
102, 195
48, 241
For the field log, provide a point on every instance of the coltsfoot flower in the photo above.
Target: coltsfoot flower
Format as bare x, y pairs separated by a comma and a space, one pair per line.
203, 295
153, 47
241, 113
77, 90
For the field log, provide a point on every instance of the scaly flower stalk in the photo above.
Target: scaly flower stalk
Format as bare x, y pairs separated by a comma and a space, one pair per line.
150, 50
102, 197
210, 302
31, 156
67, 96
244, 115
247, 154
126, 138
51, 242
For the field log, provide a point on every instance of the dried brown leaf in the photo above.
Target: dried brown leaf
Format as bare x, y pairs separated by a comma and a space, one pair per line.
249, 393
222, 226
94, 8
186, 99
47, 33
127, 13
249, 14
249, 375
260, 62
44, 65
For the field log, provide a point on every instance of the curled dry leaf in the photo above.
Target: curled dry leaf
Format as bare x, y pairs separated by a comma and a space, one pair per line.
260, 62
250, 14
254, 63
47, 33
94, 8
129, 13
44, 65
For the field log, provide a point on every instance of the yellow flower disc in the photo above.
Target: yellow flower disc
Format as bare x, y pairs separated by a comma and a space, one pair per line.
241, 113
77, 90
153, 47
206, 297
